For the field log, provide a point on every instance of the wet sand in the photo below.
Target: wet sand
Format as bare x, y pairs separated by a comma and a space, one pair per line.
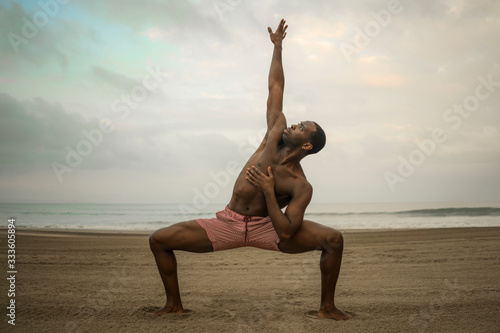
442, 280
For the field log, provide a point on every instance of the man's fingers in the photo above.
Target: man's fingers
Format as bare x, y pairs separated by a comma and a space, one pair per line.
257, 170
281, 30
250, 177
252, 173
251, 181
280, 26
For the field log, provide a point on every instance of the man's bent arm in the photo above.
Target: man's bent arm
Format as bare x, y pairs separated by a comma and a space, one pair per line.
286, 225
276, 80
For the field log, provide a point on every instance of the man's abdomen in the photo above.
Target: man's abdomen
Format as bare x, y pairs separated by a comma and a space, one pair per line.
247, 199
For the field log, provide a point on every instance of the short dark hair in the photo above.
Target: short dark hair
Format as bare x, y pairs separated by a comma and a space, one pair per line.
318, 140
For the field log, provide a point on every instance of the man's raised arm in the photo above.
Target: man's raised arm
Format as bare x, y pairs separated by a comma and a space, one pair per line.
276, 76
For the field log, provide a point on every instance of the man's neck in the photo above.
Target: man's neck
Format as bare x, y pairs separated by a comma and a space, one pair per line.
291, 155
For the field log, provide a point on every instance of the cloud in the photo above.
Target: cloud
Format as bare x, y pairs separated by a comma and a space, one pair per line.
374, 109
29, 40
181, 21
156, 34
117, 80
33, 132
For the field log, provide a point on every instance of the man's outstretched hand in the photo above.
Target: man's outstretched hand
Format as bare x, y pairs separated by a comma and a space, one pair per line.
279, 34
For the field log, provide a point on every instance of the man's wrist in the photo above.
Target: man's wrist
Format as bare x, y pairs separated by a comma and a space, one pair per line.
268, 191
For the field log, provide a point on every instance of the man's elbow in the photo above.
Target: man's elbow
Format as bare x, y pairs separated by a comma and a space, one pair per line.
284, 237
276, 86
287, 235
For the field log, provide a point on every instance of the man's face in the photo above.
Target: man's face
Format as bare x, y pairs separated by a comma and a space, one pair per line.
300, 133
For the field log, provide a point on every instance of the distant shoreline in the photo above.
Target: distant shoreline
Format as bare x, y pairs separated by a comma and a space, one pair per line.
145, 218
108, 232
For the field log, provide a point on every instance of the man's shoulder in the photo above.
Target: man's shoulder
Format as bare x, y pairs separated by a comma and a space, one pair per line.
302, 185
274, 134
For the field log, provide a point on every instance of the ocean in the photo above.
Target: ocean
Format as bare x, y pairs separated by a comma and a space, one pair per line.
149, 217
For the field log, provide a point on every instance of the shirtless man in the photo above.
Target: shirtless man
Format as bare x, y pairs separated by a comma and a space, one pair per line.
271, 180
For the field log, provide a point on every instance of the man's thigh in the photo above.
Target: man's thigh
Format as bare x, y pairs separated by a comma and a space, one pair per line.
311, 236
186, 236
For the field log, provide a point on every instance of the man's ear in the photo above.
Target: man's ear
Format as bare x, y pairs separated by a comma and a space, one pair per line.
307, 146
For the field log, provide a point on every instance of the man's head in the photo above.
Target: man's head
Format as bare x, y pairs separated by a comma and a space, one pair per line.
306, 134
318, 140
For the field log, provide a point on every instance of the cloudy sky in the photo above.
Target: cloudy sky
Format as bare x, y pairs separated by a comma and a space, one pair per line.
158, 101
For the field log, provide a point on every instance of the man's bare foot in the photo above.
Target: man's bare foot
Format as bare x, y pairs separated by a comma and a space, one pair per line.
334, 314
169, 309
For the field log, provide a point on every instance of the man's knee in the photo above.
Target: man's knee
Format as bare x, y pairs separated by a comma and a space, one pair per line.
337, 237
153, 241
159, 239
334, 240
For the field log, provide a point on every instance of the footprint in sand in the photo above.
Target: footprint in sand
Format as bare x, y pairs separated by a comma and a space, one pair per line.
152, 309
313, 314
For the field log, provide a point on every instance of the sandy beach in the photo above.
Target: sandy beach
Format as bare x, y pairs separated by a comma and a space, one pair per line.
442, 280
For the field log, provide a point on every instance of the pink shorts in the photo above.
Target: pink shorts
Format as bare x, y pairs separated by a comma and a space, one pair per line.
229, 230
